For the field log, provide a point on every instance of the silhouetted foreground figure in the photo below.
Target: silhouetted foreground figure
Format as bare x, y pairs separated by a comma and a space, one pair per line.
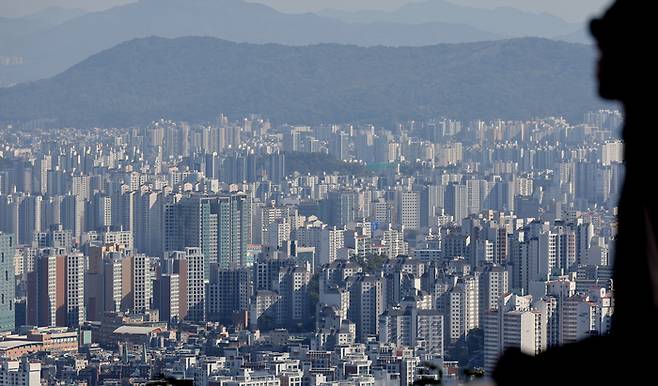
626, 74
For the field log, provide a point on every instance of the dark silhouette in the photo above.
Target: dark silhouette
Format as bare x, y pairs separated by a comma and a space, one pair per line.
626, 74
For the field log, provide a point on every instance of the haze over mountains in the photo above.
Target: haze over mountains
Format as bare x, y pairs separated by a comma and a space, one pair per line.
503, 21
46, 50
106, 78
12, 28
196, 78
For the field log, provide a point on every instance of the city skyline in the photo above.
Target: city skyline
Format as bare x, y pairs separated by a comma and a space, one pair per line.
319, 193
435, 240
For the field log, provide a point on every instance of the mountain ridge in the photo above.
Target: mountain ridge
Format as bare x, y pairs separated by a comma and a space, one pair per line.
55, 49
196, 78
504, 21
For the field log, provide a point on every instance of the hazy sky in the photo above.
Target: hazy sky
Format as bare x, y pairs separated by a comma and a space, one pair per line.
573, 10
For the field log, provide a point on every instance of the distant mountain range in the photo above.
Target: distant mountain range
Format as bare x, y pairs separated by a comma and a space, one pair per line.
581, 35
503, 21
53, 15
13, 31
196, 78
50, 51
13, 28
48, 48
